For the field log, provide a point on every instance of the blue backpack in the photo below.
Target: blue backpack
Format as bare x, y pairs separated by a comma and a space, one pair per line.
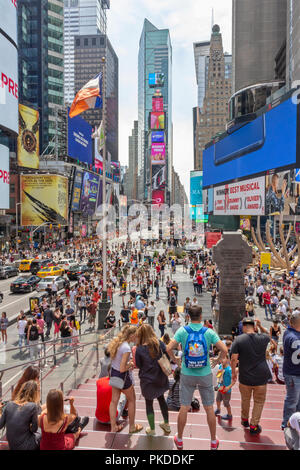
195, 352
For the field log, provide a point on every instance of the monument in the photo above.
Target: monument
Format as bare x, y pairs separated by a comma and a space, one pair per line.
232, 254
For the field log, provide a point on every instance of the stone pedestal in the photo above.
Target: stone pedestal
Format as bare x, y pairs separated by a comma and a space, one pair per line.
232, 255
103, 310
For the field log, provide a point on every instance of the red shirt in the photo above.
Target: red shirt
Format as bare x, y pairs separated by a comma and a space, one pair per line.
199, 279
267, 298
104, 394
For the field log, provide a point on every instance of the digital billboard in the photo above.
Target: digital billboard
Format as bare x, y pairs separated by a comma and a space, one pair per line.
8, 18
157, 137
157, 121
282, 193
29, 138
98, 156
156, 80
80, 140
159, 177
77, 191
157, 104
158, 197
89, 193
267, 143
196, 187
244, 198
44, 198
9, 92
158, 154
4, 177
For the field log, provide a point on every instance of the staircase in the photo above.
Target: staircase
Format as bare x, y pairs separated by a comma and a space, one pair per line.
196, 436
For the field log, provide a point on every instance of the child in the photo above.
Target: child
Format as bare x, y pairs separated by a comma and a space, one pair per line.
173, 400
224, 388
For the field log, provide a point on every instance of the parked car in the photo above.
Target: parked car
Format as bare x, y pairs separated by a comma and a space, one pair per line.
24, 283
44, 283
51, 271
75, 272
8, 271
39, 264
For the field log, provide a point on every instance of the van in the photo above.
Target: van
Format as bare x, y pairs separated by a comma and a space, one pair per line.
25, 265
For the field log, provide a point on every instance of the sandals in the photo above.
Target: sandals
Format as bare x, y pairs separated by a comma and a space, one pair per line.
137, 428
119, 427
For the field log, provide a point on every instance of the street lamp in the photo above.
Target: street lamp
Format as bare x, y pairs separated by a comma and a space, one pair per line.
17, 225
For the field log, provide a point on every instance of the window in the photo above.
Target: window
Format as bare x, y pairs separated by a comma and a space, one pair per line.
94, 42
86, 42
77, 42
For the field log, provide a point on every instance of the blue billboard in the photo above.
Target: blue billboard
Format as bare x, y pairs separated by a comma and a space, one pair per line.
269, 142
80, 145
158, 137
89, 193
196, 188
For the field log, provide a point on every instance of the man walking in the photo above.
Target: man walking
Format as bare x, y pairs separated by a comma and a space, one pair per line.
48, 318
250, 350
156, 285
195, 337
151, 314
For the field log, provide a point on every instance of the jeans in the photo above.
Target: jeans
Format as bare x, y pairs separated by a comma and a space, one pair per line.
21, 339
151, 321
292, 398
266, 311
157, 292
82, 309
259, 397
34, 349
49, 326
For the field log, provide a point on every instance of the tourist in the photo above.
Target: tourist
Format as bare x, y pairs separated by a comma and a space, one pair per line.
172, 307
154, 383
267, 303
161, 322
104, 396
3, 327
21, 325
186, 306
33, 339
176, 322
105, 364
275, 331
30, 373
224, 389
110, 320
292, 432
151, 314
173, 400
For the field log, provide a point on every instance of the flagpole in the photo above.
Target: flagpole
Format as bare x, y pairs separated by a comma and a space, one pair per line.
104, 240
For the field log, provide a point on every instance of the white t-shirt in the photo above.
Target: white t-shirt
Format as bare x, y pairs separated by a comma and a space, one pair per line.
123, 349
151, 311
21, 326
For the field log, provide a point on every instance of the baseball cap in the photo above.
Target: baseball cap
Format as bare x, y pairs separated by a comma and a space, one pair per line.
248, 321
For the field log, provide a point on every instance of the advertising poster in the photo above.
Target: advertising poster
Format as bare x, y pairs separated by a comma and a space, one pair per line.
158, 154
83, 231
243, 198
158, 137
89, 193
4, 177
159, 177
156, 80
9, 91
282, 194
29, 138
80, 143
212, 239
77, 191
158, 197
157, 121
44, 198
196, 185
157, 104
265, 261
98, 156
245, 223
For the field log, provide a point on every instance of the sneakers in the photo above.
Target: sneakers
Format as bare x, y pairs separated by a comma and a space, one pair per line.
215, 445
217, 412
227, 417
255, 429
179, 444
165, 427
150, 432
245, 423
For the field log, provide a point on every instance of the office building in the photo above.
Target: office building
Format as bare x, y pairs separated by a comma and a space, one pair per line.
201, 52
292, 42
88, 53
259, 30
154, 62
132, 170
81, 17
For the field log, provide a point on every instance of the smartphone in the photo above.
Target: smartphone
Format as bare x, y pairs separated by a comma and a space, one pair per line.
247, 139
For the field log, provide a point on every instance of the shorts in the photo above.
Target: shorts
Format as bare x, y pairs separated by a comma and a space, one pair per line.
189, 383
225, 398
122, 375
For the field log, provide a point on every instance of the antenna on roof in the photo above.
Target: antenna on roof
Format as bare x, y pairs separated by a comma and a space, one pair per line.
212, 18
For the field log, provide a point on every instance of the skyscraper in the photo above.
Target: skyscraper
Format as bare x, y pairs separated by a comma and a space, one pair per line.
201, 52
258, 32
293, 41
81, 17
132, 180
155, 60
41, 61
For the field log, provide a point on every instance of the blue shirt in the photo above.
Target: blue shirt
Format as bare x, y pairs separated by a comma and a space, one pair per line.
291, 347
226, 379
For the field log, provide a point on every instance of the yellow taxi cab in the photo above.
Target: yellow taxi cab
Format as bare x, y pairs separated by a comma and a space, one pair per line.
51, 271
25, 264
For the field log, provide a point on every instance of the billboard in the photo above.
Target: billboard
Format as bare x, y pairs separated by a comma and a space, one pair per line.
9, 92
29, 138
157, 104
76, 197
157, 120
158, 154
156, 80
98, 156
196, 185
244, 198
159, 177
269, 142
245, 223
157, 137
212, 238
4, 177
158, 197
283, 193
80, 140
89, 193
44, 198
8, 18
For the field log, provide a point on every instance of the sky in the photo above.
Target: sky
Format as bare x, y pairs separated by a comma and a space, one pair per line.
189, 21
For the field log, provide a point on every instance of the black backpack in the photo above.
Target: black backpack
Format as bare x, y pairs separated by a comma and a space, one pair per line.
34, 334
173, 302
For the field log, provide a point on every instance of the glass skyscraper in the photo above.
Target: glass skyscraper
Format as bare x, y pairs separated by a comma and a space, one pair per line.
155, 56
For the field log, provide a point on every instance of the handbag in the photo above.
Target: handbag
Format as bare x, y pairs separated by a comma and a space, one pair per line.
117, 382
165, 364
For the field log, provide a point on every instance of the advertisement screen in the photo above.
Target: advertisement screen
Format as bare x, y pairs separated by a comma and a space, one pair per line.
156, 80
80, 140
157, 104
157, 137
282, 193
245, 223
158, 154
8, 18
159, 177
123, 206
267, 143
157, 121
29, 138
4, 177
77, 191
98, 156
196, 185
244, 198
9, 92
212, 239
158, 197
44, 198
89, 193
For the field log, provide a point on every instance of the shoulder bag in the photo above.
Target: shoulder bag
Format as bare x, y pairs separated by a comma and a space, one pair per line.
165, 364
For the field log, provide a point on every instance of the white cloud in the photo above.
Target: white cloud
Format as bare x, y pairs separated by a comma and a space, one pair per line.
188, 21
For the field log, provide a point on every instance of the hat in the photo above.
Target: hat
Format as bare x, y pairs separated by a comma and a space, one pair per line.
248, 321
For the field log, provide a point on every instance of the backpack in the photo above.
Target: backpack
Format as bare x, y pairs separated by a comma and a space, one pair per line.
173, 302
195, 353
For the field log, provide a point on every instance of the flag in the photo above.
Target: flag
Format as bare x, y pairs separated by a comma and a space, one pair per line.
89, 97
